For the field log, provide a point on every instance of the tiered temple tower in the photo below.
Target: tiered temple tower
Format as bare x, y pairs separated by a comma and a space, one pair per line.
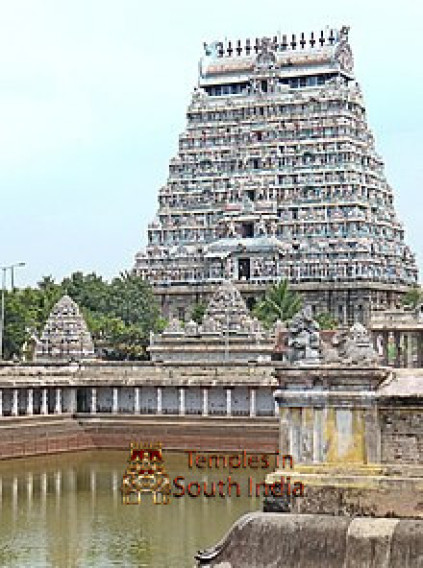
65, 334
277, 176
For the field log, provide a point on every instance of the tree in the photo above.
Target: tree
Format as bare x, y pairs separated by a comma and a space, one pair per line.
120, 315
413, 297
89, 291
279, 302
198, 311
48, 293
23, 309
326, 321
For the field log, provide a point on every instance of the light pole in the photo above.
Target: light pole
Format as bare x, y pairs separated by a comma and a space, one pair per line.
4, 270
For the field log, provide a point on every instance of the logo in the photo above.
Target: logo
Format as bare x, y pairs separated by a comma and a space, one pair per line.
145, 474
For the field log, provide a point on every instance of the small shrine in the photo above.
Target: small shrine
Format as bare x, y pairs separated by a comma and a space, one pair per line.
228, 332
65, 335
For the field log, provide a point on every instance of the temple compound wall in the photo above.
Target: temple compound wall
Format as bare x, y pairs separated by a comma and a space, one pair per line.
60, 407
362, 415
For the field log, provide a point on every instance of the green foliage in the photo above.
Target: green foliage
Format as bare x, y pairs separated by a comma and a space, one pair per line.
413, 297
198, 311
326, 321
279, 303
120, 314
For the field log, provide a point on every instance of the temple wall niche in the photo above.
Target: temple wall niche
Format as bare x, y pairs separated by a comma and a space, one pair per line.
240, 401
194, 400
217, 401
265, 402
105, 399
126, 399
148, 399
170, 400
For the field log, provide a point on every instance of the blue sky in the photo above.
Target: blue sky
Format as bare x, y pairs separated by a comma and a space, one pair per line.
93, 96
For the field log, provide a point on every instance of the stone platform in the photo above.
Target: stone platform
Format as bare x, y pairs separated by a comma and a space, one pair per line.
264, 540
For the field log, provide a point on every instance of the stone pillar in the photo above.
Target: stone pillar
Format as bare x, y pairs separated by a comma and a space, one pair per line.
72, 401
1, 402
410, 354
15, 402
317, 436
93, 409
205, 402
30, 402
253, 402
295, 437
307, 435
385, 336
44, 402
372, 435
285, 432
115, 400
397, 336
136, 400
182, 401
419, 349
58, 405
406, 347
159, 400
228, 402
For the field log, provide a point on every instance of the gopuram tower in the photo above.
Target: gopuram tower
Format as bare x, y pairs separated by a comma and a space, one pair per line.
277, 176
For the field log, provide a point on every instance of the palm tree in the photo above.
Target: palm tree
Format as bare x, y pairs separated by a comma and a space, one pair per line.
279, 303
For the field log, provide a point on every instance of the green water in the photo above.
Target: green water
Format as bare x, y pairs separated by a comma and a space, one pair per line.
66, 511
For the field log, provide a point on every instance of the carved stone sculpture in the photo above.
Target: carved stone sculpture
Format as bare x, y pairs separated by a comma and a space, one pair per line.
303, 338
358, 347
351, 346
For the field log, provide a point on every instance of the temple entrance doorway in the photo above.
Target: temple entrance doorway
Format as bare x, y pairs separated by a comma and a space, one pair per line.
244, 269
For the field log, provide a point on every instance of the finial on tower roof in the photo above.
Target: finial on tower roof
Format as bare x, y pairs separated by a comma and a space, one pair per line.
343, 33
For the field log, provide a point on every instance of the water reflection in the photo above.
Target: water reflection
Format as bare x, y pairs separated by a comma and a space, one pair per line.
66, 511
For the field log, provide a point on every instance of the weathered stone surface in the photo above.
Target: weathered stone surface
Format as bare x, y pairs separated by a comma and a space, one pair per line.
266, 540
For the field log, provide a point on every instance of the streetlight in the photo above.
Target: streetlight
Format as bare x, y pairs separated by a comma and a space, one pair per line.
4, 270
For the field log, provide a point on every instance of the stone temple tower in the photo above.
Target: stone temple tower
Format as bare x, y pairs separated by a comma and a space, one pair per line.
65, 335
277, 176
